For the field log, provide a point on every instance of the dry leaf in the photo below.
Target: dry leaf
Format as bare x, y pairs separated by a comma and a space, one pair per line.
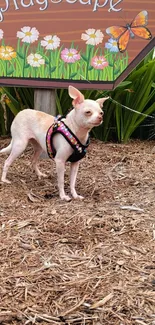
126, 252
131, 208
31, 197
120, 262
25, 246
102, 302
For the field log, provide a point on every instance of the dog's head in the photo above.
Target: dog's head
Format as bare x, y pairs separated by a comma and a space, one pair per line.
88, 113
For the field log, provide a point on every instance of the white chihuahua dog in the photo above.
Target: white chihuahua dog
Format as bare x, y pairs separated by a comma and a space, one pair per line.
64, 139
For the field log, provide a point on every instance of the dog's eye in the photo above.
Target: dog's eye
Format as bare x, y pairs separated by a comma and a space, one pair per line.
88, 113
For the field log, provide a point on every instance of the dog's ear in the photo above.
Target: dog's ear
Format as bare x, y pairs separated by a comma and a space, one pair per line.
101, 101
77, 96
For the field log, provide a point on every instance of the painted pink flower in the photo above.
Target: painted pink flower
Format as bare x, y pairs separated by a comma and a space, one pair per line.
1, 33
70, 55
99, 62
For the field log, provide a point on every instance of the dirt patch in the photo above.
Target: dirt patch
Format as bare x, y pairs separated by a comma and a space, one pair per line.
82, 262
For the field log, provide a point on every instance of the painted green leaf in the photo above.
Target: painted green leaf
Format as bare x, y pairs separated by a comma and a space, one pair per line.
73, 75
53, 69
20, 55
84, 57
10, 71
116, 71
26, 66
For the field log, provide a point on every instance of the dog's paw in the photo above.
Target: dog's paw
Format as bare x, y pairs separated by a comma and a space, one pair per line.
6, 181
78, 197
65, 198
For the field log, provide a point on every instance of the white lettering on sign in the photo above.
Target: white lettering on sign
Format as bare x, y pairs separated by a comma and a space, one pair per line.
88, 2
44, 2
112, 5
2, 10
56, 1
27, 5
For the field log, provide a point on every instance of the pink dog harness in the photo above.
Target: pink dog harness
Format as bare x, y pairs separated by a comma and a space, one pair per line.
60, 127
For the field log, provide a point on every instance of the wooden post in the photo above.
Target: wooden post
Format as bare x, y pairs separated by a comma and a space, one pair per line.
45, 101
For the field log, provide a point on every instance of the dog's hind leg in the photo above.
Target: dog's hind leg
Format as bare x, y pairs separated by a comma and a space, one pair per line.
37, 152
17, 149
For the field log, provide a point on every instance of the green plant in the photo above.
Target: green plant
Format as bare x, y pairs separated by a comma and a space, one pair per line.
139, 96
136, 92
12, 100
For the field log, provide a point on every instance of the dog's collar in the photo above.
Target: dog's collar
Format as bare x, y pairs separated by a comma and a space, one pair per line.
60, 127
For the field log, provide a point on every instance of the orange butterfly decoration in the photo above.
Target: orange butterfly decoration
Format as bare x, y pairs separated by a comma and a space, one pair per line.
137, 27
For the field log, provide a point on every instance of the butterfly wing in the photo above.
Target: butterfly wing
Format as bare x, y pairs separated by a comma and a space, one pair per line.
121, 34
138, 25
123, 41
115, 31
142, 32
140, 20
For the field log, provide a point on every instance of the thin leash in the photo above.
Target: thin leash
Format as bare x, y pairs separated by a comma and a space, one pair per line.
128, 108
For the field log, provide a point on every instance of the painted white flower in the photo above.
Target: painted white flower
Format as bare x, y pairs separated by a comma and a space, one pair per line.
92, 36
51, 42
28, 34
35, 60
1, 33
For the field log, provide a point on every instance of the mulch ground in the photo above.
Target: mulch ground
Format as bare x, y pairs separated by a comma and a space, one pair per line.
83, 262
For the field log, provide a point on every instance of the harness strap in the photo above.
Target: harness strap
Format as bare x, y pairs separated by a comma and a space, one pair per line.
60, 127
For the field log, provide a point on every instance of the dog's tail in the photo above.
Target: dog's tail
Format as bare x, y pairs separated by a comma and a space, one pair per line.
7, 150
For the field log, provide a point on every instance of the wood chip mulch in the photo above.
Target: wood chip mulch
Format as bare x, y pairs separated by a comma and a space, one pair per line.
83, 262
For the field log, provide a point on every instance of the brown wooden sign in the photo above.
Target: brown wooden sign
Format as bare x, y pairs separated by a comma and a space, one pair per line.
87, 43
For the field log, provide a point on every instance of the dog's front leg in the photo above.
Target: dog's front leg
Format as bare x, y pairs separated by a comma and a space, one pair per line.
60, 168
73, 175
